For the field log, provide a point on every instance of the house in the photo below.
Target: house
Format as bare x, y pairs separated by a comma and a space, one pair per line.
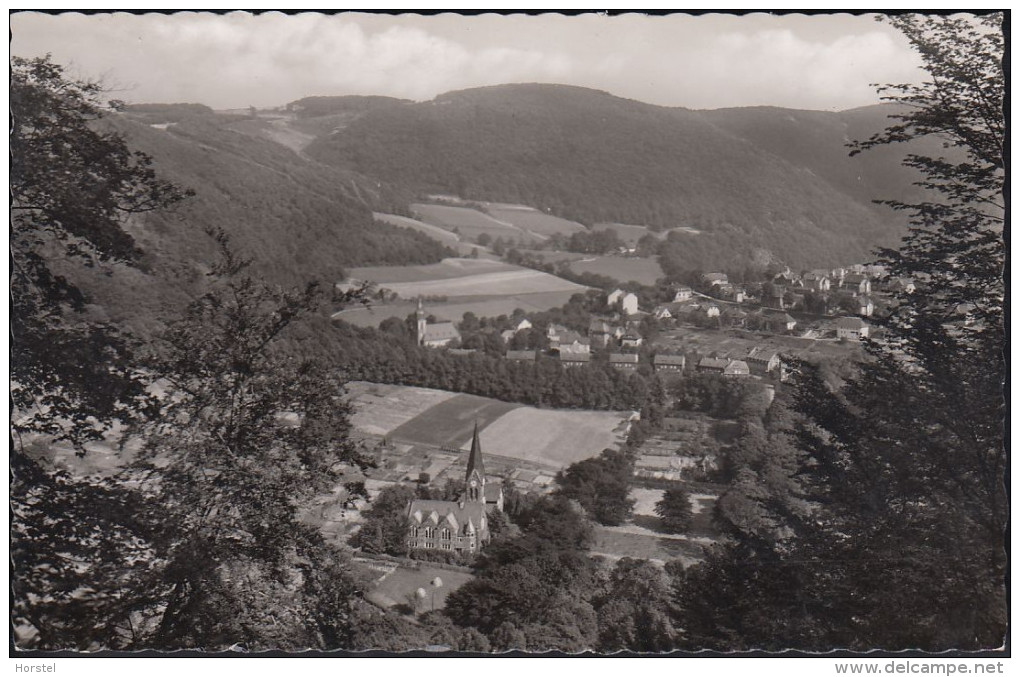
714, 279
682, 294
903, 285
521, 325
735, 317
436, 334
739, 295
629, 304
778, 323
599, 333
762, 360
553, 332
569, 359
628, 361
668, 363
521, 355
817, 282
864, 306
851, 328
614, 297
507, 335
572, 342
788, 279
712, 310
737, 368
631, 340
662, 313
461, 525
713, 365
856, 283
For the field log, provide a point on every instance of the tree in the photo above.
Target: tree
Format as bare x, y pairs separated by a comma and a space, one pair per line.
385, 527
72, 186
674, 509
601, 485
246, 435
72, 376
902, 545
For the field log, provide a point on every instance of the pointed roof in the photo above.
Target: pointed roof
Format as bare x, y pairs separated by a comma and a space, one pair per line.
475, 457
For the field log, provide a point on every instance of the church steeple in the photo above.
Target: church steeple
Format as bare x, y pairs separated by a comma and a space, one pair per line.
475, 470
420, 323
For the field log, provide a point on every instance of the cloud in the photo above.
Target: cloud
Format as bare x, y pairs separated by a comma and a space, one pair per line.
240, 59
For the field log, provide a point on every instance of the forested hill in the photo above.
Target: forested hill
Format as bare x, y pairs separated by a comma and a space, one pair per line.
299, 219
746, 178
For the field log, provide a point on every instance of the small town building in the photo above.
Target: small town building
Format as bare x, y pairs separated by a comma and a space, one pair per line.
713, 365
662, 313
434, 334
864, 306
461, 525
568, 359
631, 340
851, 328
714, 279
737, 368
626, 361
668, 363
762, 360
599, 333
712, 310
682, 294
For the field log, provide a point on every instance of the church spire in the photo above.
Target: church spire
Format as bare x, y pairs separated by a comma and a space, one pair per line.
475, 469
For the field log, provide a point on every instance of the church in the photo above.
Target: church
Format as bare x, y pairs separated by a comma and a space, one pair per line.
435, 334
462, 525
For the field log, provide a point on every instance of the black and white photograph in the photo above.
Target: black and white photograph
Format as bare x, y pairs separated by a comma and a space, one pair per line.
510, 334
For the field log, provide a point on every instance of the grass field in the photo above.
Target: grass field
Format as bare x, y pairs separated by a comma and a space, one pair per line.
395, 587
553, 437
527, 218
451, 422
447, 269
380, 408
625, 269
618, 542
630, 234
435, 232
469, 223
547, 437
493, 288
492, 306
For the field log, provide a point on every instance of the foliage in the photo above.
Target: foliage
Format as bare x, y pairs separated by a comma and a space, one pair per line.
534, 591
902, 468
384, 529
600, 485
675, 510
72, 188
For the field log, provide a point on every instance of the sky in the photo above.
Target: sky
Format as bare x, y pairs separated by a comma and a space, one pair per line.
234, 60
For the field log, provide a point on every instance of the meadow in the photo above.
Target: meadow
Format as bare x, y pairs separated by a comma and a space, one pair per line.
622, 268
532, 220
453, 310
546, 437
470, 223
395, 587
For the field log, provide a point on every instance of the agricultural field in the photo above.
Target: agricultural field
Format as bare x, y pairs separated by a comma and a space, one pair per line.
435, 232
447, 269
453, 310
484, 287
630, 234
533, 220
379, 408
497, 283
450, 423
538, 437
622, 268
470, 223
553, 437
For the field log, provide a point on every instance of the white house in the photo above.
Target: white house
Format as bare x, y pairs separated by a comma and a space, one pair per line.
852, 328
682, 294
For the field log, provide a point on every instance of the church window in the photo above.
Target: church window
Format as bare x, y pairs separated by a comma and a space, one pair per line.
445, 534
447, 546
430, 532
414, 532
